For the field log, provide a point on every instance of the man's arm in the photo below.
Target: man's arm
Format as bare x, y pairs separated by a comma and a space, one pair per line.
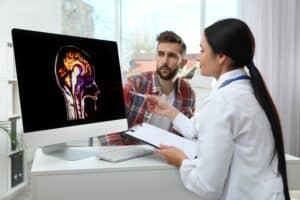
129, 86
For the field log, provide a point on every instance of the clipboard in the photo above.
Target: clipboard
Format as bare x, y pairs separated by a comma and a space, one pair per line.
129, 134
155, 136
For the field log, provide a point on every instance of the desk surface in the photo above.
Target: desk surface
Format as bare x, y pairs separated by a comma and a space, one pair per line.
292, 159
45, 164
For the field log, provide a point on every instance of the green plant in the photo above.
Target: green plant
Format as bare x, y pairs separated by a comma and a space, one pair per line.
6, 127
10, 127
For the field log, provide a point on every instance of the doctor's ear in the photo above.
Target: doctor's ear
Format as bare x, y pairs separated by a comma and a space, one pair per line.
222, 58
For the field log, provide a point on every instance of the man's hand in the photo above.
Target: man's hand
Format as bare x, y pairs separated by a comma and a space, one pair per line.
157, 105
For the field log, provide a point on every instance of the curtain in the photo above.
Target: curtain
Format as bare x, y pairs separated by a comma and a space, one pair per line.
275, 24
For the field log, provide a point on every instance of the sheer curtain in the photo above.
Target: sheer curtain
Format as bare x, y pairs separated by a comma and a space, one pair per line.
275, 24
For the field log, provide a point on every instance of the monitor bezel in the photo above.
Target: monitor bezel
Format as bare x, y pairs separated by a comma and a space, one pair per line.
59, 135
41, 138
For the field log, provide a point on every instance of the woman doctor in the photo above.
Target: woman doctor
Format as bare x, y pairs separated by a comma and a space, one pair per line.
240, 153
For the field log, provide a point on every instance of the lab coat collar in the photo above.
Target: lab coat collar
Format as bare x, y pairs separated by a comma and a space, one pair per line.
230, 74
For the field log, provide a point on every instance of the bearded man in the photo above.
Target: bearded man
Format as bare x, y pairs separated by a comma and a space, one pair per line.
170, 57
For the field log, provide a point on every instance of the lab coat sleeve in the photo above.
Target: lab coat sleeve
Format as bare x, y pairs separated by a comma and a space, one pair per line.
206, 175
186, 126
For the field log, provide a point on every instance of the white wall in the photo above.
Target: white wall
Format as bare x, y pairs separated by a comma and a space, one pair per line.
297, 54
297, 35
41, 15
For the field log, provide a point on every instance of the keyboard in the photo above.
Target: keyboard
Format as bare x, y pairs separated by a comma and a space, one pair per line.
125, 153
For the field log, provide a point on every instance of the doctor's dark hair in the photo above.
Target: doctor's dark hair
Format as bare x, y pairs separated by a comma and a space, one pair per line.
171, 37
233, 38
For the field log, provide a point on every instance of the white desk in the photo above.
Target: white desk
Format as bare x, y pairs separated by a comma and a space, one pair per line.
146, 178
293, 172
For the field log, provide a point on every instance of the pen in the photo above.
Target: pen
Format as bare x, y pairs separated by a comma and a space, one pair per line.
137, 94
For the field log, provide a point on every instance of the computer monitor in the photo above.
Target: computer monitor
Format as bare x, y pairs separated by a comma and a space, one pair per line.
70, 87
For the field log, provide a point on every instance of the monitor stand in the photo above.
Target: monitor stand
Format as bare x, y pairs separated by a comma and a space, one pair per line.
65, 152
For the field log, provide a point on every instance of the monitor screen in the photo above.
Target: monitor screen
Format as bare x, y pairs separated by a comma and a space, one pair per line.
69, 87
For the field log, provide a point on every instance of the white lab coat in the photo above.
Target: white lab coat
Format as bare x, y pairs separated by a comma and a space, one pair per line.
235, 146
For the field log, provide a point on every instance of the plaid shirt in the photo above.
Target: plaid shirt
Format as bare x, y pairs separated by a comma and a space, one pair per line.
136, 109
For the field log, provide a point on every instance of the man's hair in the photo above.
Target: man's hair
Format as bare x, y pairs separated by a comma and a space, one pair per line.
171, 37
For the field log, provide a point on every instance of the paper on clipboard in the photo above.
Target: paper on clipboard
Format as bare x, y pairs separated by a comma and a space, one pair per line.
155, 136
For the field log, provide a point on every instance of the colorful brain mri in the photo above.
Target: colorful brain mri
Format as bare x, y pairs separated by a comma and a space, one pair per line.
75, 75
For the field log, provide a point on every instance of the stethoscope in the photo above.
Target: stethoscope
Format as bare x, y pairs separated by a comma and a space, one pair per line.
227, 82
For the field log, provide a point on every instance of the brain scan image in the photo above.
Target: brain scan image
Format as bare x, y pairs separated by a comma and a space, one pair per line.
75, 76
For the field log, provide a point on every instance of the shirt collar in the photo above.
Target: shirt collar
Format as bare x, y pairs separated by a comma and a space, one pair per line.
229, 75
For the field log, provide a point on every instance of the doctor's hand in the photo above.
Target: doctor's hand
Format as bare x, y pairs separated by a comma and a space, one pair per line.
171, 154
158, 106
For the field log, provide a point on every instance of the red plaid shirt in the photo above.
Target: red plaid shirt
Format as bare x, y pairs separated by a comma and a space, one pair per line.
136, 109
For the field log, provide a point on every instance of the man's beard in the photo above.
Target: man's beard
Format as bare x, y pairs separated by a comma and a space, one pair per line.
169, 76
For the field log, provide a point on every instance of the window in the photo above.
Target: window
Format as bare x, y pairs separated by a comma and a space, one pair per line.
140, 26
134, 24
